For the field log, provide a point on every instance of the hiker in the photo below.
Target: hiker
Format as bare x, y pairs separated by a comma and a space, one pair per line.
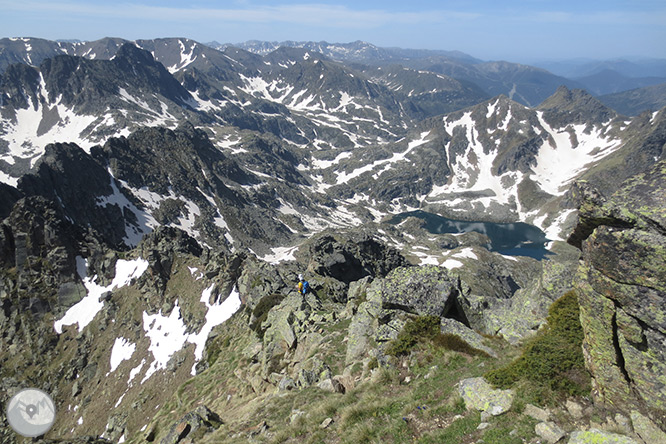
303, 285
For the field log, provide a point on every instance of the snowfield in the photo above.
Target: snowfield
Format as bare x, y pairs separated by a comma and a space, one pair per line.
83, 312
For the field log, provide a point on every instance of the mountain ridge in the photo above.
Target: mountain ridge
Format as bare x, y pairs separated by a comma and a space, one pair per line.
159, 205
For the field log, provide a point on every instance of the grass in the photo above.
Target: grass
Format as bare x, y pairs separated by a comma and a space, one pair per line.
385, 408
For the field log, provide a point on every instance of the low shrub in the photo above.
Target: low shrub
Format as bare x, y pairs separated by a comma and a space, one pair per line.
415, 330
552, 359
455, 343
427, 328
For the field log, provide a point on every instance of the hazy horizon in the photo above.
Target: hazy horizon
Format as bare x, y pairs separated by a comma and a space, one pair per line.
520, 31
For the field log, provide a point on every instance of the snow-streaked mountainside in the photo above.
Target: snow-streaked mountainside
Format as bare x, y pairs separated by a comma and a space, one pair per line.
292, 142
160, 198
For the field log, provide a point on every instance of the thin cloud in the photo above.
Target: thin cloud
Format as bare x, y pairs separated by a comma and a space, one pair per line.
607, 18
312, 14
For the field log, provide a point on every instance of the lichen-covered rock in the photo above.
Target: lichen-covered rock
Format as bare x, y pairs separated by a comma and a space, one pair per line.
259, 280
451, 326
283, 326
425, 290
193, 425
595, 436
389, 302
510, 297
361, 331
479, 395
549, 431
621, 285
646, 429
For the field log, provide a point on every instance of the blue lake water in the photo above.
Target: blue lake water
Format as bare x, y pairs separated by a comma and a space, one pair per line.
515, 239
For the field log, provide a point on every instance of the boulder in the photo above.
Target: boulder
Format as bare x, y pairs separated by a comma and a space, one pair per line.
510, 297
389, 302
425, 290
621, 285
284, 325
332, 385
537, 413
199, 421
549, 431
349, 256
646, 429
594, 436
479, 395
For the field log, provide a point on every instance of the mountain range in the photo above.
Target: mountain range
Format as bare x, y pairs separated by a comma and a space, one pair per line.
152, 189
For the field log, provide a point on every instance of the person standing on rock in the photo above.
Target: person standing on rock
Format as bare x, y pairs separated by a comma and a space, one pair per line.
303, 285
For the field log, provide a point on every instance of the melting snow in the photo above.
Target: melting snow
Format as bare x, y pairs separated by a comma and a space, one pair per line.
280, 254
122, 350
343, 177
560, 160
146, 222
451, 264
26, 141
83, 312
217, 314
168, 334
136, 370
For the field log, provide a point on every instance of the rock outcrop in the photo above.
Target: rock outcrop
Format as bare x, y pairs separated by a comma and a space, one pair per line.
621, 284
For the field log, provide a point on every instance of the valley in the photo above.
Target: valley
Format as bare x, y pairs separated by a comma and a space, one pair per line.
159, 199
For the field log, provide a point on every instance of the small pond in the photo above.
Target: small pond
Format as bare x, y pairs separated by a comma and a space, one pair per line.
514, 239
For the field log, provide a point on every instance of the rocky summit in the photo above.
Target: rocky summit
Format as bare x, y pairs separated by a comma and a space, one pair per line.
484, 255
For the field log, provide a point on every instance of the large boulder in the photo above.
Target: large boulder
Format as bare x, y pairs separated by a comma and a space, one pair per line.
193, 426
391, 301
621, 285
348, 257
425, 290
479, 395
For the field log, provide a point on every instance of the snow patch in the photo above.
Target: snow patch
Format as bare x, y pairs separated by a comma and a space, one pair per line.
561, 160
168, 333
280, 254
122, 350
83, 312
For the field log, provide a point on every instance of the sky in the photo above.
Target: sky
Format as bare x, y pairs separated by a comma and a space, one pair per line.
518, 31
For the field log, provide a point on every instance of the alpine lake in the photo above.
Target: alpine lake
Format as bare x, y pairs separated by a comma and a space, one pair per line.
511, 239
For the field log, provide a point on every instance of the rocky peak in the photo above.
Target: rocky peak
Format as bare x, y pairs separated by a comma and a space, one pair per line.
71, 179
18, 88
575, 106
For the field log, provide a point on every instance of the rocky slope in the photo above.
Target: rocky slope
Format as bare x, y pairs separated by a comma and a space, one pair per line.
621, 292
122, 325
147, 273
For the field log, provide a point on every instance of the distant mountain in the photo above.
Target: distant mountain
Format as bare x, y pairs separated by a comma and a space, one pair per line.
73, 99
624, 67
609, 82
636, 101
357, 51
159, 199
525, 84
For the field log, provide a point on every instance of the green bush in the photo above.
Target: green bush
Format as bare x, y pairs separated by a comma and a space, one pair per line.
455, 343
427, 328
553, 359
415, 330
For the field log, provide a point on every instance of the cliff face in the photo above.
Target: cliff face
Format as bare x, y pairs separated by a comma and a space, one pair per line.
621, 284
